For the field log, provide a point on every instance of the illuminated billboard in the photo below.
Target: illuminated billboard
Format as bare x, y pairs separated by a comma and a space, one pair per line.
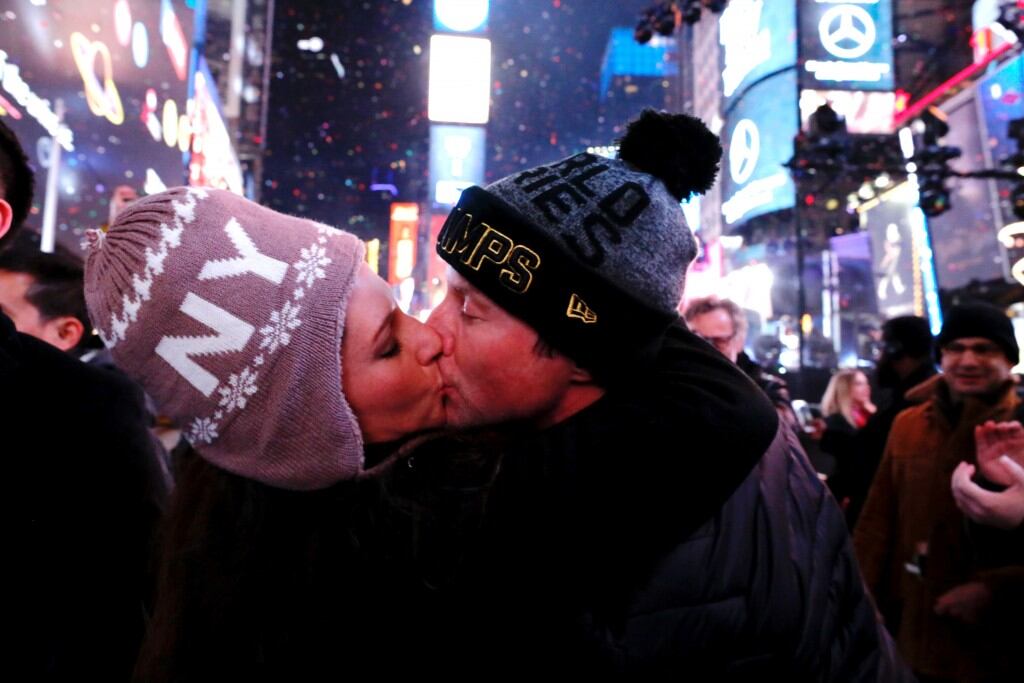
212, 162
865, 112
461, 16
989, 34
964, 237
902, 260
758, 140
460, 79
846, 45
758, 38
405, 221
1001, 97
623, 56
120, 69
456, 161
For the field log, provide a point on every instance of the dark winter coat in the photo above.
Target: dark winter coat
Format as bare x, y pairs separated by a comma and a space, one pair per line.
85, 491
912, 540
670, 529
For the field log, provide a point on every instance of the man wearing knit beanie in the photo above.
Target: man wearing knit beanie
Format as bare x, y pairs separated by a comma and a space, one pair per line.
643, 513
910, 523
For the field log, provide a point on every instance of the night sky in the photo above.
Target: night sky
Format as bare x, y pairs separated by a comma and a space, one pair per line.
333, 131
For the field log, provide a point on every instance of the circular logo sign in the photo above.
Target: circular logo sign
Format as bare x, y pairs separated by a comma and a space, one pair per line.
847, 31
744, 149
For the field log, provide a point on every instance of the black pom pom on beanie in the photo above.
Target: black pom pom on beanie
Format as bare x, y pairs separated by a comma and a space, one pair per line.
677, 148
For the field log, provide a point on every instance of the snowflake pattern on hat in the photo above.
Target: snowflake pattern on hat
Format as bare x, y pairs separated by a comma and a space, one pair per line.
278, 331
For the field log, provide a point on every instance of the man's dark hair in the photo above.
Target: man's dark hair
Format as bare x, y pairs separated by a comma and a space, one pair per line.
58, 288
17, 181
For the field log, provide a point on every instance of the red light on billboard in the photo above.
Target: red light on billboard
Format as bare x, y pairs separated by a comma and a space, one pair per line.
8, 109
405, 219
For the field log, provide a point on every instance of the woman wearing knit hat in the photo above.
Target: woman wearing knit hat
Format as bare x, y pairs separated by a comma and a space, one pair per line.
281, 354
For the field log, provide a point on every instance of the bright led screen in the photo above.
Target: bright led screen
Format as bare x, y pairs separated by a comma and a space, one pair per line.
758, 140
460, 78
758, 38
120, 70
846, 45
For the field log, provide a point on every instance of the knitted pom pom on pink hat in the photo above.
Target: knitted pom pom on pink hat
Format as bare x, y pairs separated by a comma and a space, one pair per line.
231, 316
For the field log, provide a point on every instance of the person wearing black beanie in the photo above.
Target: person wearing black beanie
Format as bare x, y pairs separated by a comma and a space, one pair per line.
983, 321
642, 512
916, 552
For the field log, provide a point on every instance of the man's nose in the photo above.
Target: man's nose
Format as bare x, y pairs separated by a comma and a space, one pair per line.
440, 321
429, 346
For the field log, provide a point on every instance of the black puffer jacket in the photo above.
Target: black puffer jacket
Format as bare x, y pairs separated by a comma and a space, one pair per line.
84, 490
670, 529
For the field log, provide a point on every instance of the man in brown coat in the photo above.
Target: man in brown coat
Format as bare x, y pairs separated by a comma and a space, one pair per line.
911, 540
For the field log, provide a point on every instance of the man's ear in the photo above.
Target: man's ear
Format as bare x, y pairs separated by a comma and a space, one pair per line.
6, 214
68, 331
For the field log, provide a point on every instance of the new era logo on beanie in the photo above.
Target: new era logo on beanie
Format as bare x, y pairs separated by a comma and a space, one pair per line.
231, 317
591, 252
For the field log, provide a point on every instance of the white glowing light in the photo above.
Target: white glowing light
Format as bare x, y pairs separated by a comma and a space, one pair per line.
460, 79
140, 45
907, 142
462, 15
314, 44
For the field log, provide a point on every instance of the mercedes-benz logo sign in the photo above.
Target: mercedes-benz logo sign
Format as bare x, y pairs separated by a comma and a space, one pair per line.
744, 149
847, 31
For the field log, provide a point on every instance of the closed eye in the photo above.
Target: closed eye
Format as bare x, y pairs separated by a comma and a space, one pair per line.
392, 350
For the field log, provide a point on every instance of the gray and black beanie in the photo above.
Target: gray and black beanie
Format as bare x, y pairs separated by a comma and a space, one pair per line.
589, 251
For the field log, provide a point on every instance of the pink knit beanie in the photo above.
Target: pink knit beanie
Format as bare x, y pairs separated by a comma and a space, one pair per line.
231, 317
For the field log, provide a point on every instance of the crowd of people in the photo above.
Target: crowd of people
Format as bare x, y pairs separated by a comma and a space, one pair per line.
556, 472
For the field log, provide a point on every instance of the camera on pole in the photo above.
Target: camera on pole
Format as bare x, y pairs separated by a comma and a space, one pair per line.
824, 147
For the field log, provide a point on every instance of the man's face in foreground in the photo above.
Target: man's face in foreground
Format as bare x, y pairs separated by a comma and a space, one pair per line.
493, 370
974, 366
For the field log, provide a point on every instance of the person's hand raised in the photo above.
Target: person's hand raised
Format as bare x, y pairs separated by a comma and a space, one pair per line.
995, 439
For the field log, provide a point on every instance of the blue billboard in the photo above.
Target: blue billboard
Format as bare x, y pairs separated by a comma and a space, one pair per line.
758, 39
625, 57
1001, 94
456, 161
846, 45
758, 140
